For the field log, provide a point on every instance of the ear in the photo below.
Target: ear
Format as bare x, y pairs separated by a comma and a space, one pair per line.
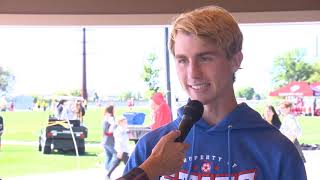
236, 61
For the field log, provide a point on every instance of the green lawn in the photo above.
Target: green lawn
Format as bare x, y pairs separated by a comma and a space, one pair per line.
310, 129
17, 160
25, 126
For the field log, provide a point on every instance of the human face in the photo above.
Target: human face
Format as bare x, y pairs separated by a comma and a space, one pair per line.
203, 69
123, 123
268, 114
284, 110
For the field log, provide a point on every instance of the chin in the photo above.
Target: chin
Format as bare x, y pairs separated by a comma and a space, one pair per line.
199, 98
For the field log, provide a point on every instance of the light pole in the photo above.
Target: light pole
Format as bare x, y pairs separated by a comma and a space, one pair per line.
84, 92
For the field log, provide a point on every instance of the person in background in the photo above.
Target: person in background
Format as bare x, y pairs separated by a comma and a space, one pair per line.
96, 98
121, 145
108, 125
130, 103
271, 116
1, 128
79, 111
11, 106
166, 158
38, 104
59, 108
3, 104
290, 126
230, 140
161, 113
64, 110
44, 104
85, 104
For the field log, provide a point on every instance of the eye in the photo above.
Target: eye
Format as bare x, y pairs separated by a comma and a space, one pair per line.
205, 58
181, 60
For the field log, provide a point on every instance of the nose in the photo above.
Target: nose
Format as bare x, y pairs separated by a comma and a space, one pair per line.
194, 70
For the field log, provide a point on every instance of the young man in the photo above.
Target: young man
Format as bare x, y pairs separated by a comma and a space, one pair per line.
230, 141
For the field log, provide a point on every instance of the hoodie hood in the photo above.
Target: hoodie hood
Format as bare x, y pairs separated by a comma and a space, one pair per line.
242, 117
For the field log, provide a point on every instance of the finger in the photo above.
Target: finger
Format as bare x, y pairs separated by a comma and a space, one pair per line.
182, 147
178, 164
172, 135
185, 146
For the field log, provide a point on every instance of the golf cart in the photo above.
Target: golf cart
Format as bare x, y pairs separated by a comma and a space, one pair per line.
57, 136
63, 133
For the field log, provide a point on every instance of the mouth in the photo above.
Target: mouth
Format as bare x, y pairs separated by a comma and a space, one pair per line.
199, 86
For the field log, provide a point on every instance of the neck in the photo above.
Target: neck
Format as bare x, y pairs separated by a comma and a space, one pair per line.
215, 112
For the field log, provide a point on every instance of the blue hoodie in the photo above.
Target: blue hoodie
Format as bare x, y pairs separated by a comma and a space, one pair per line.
241, 146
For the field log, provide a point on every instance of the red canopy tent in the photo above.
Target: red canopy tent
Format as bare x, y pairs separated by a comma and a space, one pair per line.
294, 89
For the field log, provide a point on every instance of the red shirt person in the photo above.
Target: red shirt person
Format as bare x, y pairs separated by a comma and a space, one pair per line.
161, 114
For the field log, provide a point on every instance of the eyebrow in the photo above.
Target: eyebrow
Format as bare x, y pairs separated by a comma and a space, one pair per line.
207, 53
199, 54
179, 56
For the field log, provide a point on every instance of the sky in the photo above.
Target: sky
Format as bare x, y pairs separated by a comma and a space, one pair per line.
49, 59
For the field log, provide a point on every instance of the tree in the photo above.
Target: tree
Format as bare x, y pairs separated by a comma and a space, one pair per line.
75, 92
150, 74
315, 76
127, 95
6, 79
246, 92
291, 66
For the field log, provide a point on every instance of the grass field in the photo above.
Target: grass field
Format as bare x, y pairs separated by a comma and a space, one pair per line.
16, 160
25, 126
310, 129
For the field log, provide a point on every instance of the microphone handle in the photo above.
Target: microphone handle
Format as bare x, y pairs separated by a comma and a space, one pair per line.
184, 127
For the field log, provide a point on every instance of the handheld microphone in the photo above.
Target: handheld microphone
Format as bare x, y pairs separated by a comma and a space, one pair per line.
192, 112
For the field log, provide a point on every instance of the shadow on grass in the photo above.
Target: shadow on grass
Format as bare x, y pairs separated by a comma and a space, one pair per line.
72, 153
93, 142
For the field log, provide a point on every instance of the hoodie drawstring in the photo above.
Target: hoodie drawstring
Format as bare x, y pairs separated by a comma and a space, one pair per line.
229, 151
192, 150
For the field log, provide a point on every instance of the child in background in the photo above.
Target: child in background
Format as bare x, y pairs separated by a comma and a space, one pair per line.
121, 144
290, 126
